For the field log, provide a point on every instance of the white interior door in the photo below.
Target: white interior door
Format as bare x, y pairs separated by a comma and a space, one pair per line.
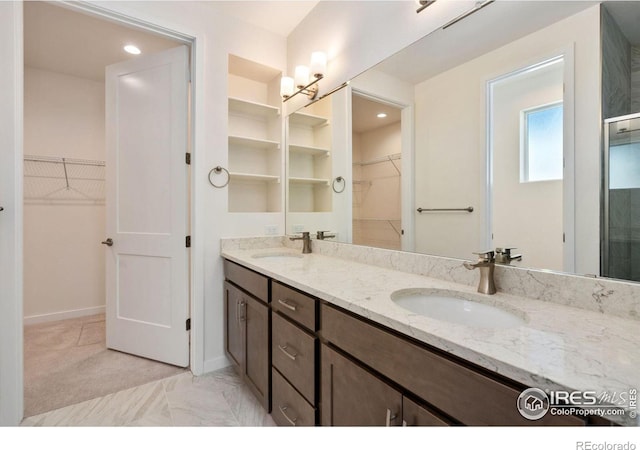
147, 262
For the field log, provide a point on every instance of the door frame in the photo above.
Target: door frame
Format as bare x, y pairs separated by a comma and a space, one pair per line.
11, 323
11, 279
407, 200
568, 182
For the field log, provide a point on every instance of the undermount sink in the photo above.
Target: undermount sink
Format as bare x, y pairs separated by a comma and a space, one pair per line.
277, 255
453, 307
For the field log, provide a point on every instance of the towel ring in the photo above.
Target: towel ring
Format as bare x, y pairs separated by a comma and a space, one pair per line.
218, 170
339, 180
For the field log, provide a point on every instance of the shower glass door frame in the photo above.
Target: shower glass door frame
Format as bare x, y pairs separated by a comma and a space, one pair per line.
605, 222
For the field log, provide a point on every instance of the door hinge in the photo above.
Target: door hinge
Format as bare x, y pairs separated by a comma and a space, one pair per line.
188, 241
564, 238
187, 158
188, 324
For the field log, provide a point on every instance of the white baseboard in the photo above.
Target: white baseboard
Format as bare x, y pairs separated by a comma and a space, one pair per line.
218, 363
31, 320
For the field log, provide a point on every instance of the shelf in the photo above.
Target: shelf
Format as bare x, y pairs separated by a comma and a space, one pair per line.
236, 176
307, 150
309, 120
254, 143
62, 180
386, 158
252, 108
297, 180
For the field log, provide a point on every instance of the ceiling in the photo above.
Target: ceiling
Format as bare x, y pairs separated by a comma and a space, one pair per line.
365, 112
279, 17
64, 41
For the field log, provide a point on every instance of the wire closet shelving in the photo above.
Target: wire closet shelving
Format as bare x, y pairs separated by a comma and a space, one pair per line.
63, 180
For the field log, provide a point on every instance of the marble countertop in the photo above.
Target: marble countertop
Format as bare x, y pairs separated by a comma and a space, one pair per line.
558, 348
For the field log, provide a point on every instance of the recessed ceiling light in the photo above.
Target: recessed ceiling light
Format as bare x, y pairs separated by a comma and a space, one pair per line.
381, 116
132, 49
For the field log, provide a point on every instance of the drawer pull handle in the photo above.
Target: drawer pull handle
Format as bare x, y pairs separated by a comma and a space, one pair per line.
287, 305
283, 410
390, 416
283, 349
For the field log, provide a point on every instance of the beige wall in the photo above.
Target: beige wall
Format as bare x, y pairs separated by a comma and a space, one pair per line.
527, 215
63, 257
451, 140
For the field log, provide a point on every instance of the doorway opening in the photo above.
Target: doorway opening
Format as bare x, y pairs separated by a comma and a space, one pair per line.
377, 172
529, 162
65, 355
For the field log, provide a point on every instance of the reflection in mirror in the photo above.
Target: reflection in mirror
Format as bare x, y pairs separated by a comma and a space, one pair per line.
309, 165
508, 124
376, 148
621, 249
525, 146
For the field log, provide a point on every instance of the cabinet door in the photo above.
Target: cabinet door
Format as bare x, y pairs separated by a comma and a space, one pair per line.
234, 330
351, 396
414, 415
255, 317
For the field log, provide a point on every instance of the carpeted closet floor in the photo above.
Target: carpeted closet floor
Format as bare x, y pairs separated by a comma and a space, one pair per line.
67, 362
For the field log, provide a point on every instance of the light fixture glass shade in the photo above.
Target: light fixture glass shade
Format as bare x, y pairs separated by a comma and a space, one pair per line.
302, 76
318, 64
286, 87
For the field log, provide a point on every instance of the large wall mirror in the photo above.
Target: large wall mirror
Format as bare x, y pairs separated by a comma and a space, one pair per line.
485, 134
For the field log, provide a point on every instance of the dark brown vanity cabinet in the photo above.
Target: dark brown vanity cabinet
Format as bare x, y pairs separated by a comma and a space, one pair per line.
352, 396
458, 392
294, 349
310, 362
247, 327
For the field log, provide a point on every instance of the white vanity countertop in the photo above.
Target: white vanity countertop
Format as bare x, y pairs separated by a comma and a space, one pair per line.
559, 348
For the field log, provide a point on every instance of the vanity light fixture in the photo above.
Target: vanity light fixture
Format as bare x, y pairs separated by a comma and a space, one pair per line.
305, 79
381, 115
423, 4
132, 49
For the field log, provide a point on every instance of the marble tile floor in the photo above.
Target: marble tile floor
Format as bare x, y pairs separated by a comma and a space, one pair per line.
219, 398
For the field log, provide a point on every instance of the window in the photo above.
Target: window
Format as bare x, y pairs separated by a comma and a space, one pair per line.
541, 150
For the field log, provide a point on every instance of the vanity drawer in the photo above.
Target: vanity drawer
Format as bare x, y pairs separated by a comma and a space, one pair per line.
289, 407
250, 281
465, 394
296, 305
293, 353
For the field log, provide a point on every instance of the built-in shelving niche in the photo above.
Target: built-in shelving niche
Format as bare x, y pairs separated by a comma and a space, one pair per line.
255, 135
310, 166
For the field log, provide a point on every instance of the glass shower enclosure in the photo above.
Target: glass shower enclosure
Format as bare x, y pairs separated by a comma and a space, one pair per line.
621, 198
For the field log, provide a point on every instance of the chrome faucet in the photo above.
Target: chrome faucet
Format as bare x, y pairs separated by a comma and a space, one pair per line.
320, 235
486, 263
504, 256
306, 241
